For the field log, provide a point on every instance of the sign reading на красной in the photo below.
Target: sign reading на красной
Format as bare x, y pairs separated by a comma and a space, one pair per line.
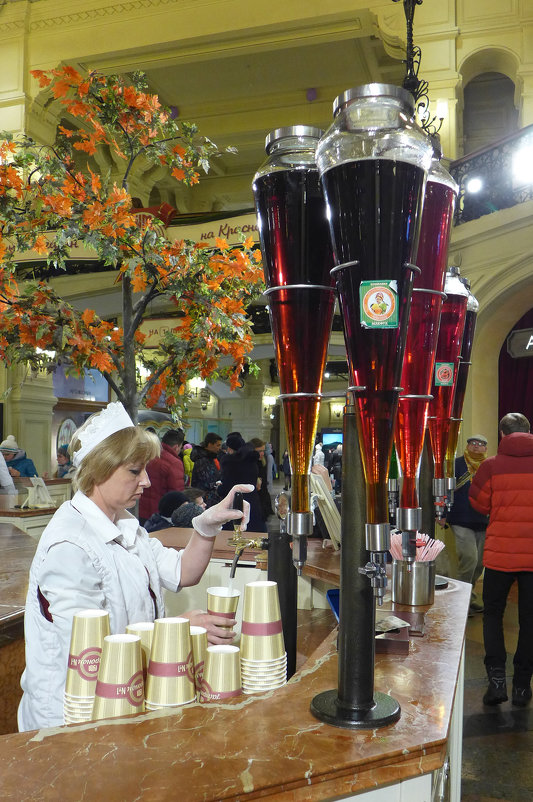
520, 343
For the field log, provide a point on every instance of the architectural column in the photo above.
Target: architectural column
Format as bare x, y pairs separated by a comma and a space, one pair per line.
525, 99
28, 413
13, 66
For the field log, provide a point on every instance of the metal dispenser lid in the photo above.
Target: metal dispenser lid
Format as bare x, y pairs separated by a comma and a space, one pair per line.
374, 90
292, 131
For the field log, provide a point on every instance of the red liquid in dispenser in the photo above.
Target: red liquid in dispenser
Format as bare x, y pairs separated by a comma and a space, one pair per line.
460, 390
437, 218
422, 334
294, 230
452, 323
417, 375
301, 323
301, 418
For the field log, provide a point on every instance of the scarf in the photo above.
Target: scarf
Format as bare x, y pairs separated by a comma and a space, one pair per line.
473, 461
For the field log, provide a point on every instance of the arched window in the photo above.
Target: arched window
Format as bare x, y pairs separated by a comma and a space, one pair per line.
489, 110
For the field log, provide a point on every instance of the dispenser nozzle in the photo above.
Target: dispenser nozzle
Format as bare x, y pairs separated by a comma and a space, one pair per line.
409, 522
299, 526
377, 541
440, 497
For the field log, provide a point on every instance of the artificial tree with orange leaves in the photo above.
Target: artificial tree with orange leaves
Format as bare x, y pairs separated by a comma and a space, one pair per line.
52, 200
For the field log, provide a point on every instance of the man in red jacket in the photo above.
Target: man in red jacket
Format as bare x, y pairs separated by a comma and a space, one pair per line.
166, 473
503, 489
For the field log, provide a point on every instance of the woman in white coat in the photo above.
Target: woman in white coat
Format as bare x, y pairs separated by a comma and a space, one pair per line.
94, 554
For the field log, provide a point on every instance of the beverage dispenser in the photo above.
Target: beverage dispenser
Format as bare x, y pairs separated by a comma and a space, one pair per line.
297, 258
447, 360
426, 302
472, 308
373, 163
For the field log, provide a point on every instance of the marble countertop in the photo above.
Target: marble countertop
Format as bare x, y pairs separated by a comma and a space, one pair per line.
17, 550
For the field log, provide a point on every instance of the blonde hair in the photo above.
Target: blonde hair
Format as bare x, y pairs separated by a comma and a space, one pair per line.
128, 446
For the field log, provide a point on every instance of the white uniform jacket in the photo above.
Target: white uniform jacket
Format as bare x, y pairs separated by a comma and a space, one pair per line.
84, 561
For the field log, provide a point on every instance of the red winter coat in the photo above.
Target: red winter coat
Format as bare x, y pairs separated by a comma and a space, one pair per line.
503, 489
166, 473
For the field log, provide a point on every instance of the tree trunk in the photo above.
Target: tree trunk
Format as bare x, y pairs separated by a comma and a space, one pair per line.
129, 378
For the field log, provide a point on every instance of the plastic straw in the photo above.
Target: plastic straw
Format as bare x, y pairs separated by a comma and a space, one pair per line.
427, 548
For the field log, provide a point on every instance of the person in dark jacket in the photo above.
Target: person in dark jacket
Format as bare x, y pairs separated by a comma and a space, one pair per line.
166, 473
167, 505
467, 524
206, 470
263, 489
503, 489
244, 461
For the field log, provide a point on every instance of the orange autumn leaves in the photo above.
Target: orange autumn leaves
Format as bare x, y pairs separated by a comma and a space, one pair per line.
55, 199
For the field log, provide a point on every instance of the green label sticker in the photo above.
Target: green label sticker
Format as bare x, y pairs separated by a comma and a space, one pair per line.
379, 304
444, 374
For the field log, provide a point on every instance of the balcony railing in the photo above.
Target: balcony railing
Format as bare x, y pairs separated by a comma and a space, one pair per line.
495, 177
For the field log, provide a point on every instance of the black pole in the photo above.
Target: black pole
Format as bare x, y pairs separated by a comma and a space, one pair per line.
281, 570
354, 704
357, 608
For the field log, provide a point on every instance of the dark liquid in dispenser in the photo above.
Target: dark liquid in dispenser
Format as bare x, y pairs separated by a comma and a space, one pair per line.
294, 230
373, 206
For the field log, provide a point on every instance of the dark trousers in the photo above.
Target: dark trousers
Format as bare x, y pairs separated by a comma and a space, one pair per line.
496, 587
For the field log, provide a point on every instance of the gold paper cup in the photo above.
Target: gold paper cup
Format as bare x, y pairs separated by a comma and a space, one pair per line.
120, 686
261, 602
223, 602
170, 678
145, 631
89, 627
262, 642
222, 675
199, 651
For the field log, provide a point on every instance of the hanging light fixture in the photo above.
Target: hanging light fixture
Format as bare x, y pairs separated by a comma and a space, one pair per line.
415, 85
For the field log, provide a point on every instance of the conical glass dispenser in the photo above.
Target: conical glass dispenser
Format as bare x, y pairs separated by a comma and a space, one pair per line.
422, 334
373, 163
447, 359
297, 258
472, 309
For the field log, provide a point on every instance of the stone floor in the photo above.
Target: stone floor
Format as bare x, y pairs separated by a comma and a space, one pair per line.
497, 741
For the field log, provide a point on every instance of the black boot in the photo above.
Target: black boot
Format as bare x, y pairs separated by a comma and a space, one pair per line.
497, 690
521, 694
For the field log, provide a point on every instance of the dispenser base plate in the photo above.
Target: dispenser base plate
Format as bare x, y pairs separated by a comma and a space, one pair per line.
386, 711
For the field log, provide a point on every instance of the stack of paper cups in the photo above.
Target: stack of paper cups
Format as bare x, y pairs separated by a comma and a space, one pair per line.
120, 686
263, 655
199, 651
89, 628
222, 675
145, 631
170, 678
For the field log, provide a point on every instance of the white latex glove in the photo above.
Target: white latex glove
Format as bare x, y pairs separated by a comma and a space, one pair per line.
210, 522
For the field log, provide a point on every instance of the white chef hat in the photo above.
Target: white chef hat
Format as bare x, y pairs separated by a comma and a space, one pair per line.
99, 427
